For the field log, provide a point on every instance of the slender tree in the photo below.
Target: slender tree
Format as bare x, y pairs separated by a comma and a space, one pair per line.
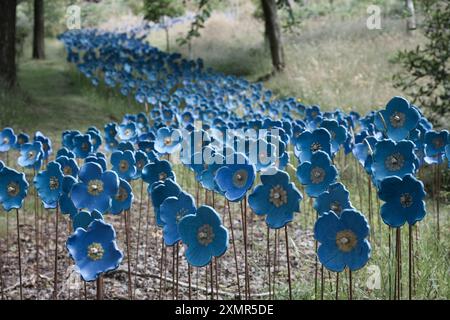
159, 10
8, 43
411, 18
38, 30
273, 32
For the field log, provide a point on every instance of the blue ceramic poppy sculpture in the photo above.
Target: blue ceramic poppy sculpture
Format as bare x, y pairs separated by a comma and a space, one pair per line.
66, 205
49, 184
236, 179
69, 166
393, 159
342, 240
94, 250
336, 199
158, 170
124, 164
171, 211
13, 188
398, 119
404, 200
310, 142
84, 218
123, 199
277, 198
95, 189
7, 139
204, 235
435, 143
31, 155
318, 174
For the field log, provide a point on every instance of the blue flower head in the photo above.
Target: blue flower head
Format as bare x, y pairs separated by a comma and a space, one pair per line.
69, 166
13, 188
96, 139
310, 142
403, 200
123, 199
110, 130
128, 132
393, 159
336, 199
95, 189
318, 174
46, 144
204, 235
342, 240
98, 160
435, 143
276, 197
82, 146
22, 138
159, 170
124, 164
171, 211
338, 133
65, 201
84, 218
398, 119
159, 192
67, 138
7, 139
168, 140
65, 152
236, 179
49, 184
94, 250
31, 155
141, 161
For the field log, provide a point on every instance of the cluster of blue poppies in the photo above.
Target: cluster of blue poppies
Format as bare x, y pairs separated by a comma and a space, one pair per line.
205, 117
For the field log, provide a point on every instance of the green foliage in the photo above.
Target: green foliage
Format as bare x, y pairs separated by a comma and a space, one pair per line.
156, 9
426, 69
204, 12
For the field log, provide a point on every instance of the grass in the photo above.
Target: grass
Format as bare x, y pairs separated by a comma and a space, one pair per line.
333, 61
52, 97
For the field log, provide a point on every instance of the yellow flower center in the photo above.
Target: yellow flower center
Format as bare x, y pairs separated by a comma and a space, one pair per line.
95, 251
346, 240
123, 165
317, 175
95, 187
240, 178
122, 195
13, 189
205, 235
67, 171
394, 162
406, 200
53, 183
397, 119
278, 196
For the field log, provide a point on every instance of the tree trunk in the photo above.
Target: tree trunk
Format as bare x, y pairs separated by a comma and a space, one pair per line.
38, 32
411, 19
167, 39
8, 43
273, 32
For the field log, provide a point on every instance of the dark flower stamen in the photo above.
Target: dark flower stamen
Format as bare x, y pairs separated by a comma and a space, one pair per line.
346, 240
205, 235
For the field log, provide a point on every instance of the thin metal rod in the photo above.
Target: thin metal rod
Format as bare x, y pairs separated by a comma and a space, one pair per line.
288, 261
234, 249
55, 277
19, 253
